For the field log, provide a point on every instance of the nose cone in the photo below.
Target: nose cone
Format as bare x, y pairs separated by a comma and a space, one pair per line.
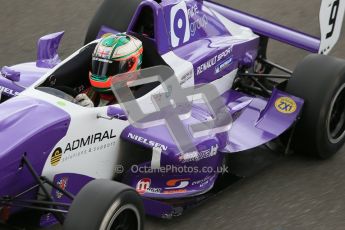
22, 118
27, 126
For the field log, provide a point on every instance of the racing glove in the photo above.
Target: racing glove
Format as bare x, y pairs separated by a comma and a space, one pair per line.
83, 100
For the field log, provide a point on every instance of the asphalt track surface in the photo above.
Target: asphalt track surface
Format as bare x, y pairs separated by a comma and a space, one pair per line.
293, 193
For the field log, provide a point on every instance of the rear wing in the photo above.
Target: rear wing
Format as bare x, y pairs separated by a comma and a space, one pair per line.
331, 20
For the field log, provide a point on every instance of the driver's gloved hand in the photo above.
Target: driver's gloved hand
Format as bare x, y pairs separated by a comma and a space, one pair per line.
83, 100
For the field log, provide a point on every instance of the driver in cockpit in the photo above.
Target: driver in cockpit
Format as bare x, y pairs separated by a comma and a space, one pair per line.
114, 54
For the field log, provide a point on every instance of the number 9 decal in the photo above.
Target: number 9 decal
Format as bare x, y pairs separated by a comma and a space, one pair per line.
179, 24
331, 19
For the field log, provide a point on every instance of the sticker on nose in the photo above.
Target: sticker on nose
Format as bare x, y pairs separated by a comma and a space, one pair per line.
286, 105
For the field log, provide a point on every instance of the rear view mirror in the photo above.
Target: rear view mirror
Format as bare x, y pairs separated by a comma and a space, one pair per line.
10, 74
47, 52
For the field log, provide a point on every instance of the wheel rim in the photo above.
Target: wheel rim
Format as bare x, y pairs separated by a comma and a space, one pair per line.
126, 218
336, 117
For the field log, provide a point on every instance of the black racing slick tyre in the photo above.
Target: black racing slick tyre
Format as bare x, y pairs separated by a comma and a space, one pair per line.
115, 14
106, 205
320, 81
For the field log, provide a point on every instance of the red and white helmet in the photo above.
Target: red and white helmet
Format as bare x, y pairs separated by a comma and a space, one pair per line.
113, 55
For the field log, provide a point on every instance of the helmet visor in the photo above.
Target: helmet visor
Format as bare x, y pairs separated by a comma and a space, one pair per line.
108, 68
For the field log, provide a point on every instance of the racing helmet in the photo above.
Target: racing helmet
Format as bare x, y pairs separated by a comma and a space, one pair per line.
114, 54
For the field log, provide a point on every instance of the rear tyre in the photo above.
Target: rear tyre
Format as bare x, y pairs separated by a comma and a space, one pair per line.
115, 14
320, 81
106, 205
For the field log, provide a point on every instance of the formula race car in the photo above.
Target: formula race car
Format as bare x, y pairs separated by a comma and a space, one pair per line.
93, 168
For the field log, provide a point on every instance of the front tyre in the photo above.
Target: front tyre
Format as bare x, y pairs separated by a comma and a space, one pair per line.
106, 205
320, 81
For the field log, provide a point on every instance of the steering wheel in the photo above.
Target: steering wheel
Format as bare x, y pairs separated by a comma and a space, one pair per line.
63, 92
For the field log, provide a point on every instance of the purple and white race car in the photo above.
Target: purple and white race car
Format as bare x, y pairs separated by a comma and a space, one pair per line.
93, 168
